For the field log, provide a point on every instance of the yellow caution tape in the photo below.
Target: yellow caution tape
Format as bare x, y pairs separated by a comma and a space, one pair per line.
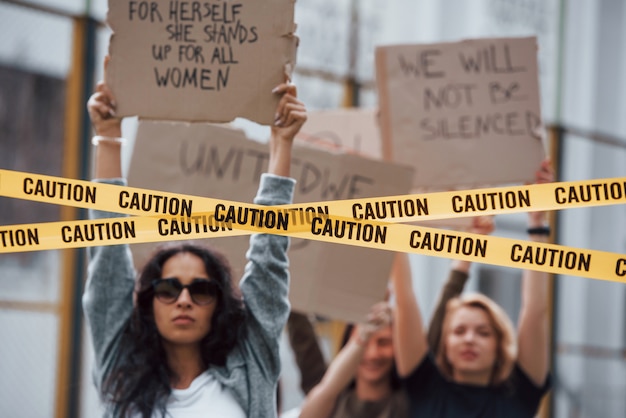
401, 208
189, 217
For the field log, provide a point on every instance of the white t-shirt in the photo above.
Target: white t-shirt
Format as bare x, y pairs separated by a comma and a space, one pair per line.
205, 398
291, 413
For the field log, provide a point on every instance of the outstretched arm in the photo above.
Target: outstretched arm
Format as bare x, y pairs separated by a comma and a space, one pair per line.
265, 283
322, 399
108, 297
290, 116
409, 337
533, 342
108, 129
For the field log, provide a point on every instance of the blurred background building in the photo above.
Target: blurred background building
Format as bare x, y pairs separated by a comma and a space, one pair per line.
51, 52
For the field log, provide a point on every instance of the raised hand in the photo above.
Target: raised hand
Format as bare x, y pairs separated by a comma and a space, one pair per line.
290, 116
101, 107
379, 317
290, 113
482, 225
545, 174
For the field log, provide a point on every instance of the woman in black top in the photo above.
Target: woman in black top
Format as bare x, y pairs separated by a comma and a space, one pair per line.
477, 368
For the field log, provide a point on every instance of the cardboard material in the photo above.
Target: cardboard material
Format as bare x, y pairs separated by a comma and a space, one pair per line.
356, 130
353, 130
200, 61
333, 280
464, 114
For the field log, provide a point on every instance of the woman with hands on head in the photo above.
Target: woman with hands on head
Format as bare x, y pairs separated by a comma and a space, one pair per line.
180, 338
361, 381
477, 369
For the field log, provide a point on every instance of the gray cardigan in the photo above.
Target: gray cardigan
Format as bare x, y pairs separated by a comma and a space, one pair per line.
253, 366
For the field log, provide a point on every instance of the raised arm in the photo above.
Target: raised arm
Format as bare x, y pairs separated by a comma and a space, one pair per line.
290, 116
108, 130
533, 340
265, 282
108, 297
409, 337
459, 273
322, 399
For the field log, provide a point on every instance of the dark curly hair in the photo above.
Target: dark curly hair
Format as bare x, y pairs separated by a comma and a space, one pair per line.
140, 379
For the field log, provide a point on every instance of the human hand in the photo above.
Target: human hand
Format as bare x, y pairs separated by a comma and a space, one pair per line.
545, 174
101, 107
290, 113
483, 225
379, 317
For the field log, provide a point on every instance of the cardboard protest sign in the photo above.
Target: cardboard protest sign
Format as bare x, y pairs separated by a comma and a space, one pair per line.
200, 61
463, 113
356, 130
334, 280
351, 129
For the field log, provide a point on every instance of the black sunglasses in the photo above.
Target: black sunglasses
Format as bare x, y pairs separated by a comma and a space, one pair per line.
202, 291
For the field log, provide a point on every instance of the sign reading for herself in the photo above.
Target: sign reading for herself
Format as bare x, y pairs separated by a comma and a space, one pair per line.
202, 159
200, 61
463, 113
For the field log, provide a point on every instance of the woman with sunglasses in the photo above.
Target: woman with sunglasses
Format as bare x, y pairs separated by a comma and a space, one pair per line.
184, 341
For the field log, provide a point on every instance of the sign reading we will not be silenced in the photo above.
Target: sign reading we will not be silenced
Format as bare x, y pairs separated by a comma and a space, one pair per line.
463, 113
200, 60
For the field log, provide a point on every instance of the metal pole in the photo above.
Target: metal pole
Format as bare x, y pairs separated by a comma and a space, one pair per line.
75, 165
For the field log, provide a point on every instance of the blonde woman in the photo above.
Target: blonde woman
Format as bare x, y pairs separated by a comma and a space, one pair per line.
477, 369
